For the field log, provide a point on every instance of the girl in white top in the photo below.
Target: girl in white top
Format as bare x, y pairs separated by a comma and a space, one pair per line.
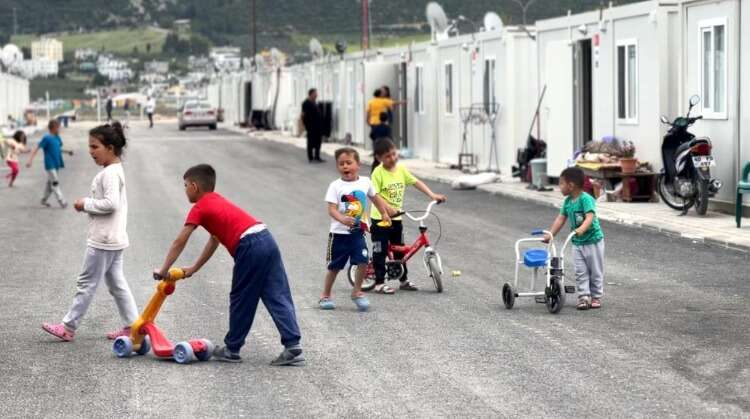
16, 145
107, 207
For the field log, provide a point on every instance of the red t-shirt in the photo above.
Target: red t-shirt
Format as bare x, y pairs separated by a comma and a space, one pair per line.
221, 218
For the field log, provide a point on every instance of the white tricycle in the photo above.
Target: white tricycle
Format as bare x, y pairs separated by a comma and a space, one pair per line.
551, 262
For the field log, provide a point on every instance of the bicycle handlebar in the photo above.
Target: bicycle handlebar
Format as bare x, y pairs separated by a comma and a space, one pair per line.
426, 213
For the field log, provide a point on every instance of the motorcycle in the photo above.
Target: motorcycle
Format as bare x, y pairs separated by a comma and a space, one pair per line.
686, 179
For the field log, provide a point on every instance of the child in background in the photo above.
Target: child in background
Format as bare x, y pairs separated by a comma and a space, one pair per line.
107, 207
16, 145
390, 180
52, 146
347, 203
588, 244
258, 268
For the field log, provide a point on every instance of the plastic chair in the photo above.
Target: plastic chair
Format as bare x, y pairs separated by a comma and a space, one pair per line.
743, 187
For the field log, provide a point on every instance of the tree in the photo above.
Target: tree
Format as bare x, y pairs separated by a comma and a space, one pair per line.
26, 51
135, 50
199, 45
148, 48
100, 80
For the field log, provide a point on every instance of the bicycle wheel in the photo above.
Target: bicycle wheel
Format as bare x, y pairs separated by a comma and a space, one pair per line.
435, 273
369, 282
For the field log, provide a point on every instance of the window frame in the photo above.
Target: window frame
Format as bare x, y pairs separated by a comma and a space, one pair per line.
449, 111
628, 119
709, 25
419, 107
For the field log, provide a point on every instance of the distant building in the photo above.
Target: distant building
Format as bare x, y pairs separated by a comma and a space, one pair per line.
182, 28
49, 48
87, 67
226, 58
157, 67
200, 64
85, 54
113, 68
36, 68
152, 78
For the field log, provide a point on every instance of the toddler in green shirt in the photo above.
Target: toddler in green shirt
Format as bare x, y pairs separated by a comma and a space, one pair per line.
588, 244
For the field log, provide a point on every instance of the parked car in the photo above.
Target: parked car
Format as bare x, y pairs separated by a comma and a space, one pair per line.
197, 114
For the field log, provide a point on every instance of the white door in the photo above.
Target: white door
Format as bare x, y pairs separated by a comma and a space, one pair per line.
558, 105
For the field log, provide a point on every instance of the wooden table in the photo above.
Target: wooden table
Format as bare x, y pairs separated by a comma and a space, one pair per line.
645, 181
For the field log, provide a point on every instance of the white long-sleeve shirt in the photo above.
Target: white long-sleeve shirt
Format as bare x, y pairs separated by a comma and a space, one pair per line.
108, 210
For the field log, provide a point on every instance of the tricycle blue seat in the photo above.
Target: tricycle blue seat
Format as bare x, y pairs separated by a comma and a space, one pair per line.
536, 258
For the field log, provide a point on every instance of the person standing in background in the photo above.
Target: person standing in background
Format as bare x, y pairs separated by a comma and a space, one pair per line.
109, 107
313, 122
150, 108
126, 108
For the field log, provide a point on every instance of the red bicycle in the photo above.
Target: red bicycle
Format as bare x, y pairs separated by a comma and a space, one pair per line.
395, 268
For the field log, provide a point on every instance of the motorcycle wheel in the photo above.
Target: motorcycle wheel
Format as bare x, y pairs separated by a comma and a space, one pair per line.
701, 199
673, 201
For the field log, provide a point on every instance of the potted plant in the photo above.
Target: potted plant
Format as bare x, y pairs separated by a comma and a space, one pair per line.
628, 162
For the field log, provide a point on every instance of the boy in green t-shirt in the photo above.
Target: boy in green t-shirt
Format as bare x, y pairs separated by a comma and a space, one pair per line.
588, 243
390, 180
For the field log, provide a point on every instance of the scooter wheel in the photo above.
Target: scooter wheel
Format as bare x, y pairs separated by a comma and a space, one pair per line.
183, 353
208, 353
509, 296
145, 346
123, 347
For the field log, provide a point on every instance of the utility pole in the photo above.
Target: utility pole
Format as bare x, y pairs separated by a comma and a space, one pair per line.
254, 33
15, 22
365, 44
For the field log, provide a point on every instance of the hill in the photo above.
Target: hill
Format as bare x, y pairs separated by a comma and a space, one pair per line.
280, 23
120, 41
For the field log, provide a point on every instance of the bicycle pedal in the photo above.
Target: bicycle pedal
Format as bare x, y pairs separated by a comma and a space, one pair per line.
540, 299
570, 289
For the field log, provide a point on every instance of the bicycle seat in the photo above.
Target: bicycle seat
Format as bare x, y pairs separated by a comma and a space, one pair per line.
536, 258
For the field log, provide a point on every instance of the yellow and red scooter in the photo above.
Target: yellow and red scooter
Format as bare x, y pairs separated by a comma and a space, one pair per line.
144, 333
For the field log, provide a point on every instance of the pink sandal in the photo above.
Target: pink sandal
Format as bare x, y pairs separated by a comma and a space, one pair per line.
59, 331
125, 331
596, 303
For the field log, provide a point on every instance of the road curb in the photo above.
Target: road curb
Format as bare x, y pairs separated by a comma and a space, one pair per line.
708, 241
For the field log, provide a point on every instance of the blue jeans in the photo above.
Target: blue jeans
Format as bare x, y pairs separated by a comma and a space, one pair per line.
259, 275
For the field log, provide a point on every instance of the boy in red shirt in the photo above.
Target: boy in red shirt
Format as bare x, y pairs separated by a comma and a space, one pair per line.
258, 270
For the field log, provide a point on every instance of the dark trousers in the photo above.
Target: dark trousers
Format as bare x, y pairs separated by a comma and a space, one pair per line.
109, 114
314, 139
150, 120
381, 237
259, 275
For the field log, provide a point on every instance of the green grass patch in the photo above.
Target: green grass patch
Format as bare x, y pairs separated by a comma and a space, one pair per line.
120, 41
353, 40
57, 88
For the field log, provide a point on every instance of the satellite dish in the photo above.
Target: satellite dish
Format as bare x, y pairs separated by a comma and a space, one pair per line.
316, 50
438, 20
10, 55
493, 22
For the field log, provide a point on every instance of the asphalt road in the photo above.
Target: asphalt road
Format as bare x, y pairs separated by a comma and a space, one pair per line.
671, 340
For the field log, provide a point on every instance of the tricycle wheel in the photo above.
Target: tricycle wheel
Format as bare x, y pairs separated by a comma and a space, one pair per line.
123, 347
145, 346
208, 353
183, 353
509, 296
555, 296
369, 282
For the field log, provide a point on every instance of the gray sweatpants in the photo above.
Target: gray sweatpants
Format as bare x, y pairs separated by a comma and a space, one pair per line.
97, 265
53, 186
589, 265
